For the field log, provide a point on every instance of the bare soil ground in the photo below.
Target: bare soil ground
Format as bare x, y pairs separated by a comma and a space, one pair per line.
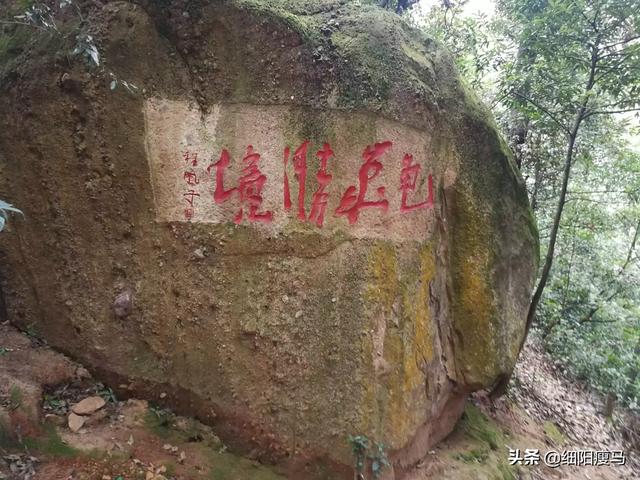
131, 440
545, 411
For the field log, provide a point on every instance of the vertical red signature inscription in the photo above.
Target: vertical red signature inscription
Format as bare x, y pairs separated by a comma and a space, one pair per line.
189, 198
191, 159
191, 178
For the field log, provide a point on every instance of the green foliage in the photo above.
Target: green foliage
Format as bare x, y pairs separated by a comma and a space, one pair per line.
479, 52
551, 70
601, 355
64, 21
552, 431
115, 82
5, 45
485, 445
359, 446
159, 420
39, 15
227, 466
590, 314
51, 403
368, 454
473, 456
5, 208
379, 460
15, 398
108, 395
86, 47
477, 426
51, 444
398, 6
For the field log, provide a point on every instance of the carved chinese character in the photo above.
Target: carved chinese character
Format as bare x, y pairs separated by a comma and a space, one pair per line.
190, 158
191, 178
249, 189
408, 180
320, 197
300, 169
220, 194
251, 185
189, 197
354, 199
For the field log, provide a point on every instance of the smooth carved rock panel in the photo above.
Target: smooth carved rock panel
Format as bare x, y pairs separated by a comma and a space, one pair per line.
367, 176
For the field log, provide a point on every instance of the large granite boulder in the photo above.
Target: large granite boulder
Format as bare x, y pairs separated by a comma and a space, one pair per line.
301, 226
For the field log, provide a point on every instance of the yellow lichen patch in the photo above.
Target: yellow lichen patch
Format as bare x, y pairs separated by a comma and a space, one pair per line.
474, 313
407, 345
379, 295
383, 289
416, 349
368, 411
474, 308
394, 415
422, 316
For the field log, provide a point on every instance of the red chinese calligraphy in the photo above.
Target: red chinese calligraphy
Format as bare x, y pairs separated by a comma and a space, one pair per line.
190, 158
251, 185
354, 200
191, 177
249, 189
300, 169
320, 197
351, 203
408, 180
287, 192
220, 194
189, 196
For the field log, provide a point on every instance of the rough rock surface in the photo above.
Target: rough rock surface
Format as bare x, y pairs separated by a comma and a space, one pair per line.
88, 405
287, 337
25, 370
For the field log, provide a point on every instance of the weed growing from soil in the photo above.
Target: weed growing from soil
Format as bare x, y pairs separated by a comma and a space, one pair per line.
368, 453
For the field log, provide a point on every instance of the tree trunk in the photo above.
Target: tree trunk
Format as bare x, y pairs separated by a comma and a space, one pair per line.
609, 405
501, 385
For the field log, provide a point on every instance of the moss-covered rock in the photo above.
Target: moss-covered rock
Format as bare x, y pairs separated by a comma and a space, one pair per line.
284, 336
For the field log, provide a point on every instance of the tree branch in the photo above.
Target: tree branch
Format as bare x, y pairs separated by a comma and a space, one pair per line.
619, 104
501, 385
623, 42
4, 22
537, 105
611, 112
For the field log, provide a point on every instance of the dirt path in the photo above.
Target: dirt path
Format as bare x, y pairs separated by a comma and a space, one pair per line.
542, 411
